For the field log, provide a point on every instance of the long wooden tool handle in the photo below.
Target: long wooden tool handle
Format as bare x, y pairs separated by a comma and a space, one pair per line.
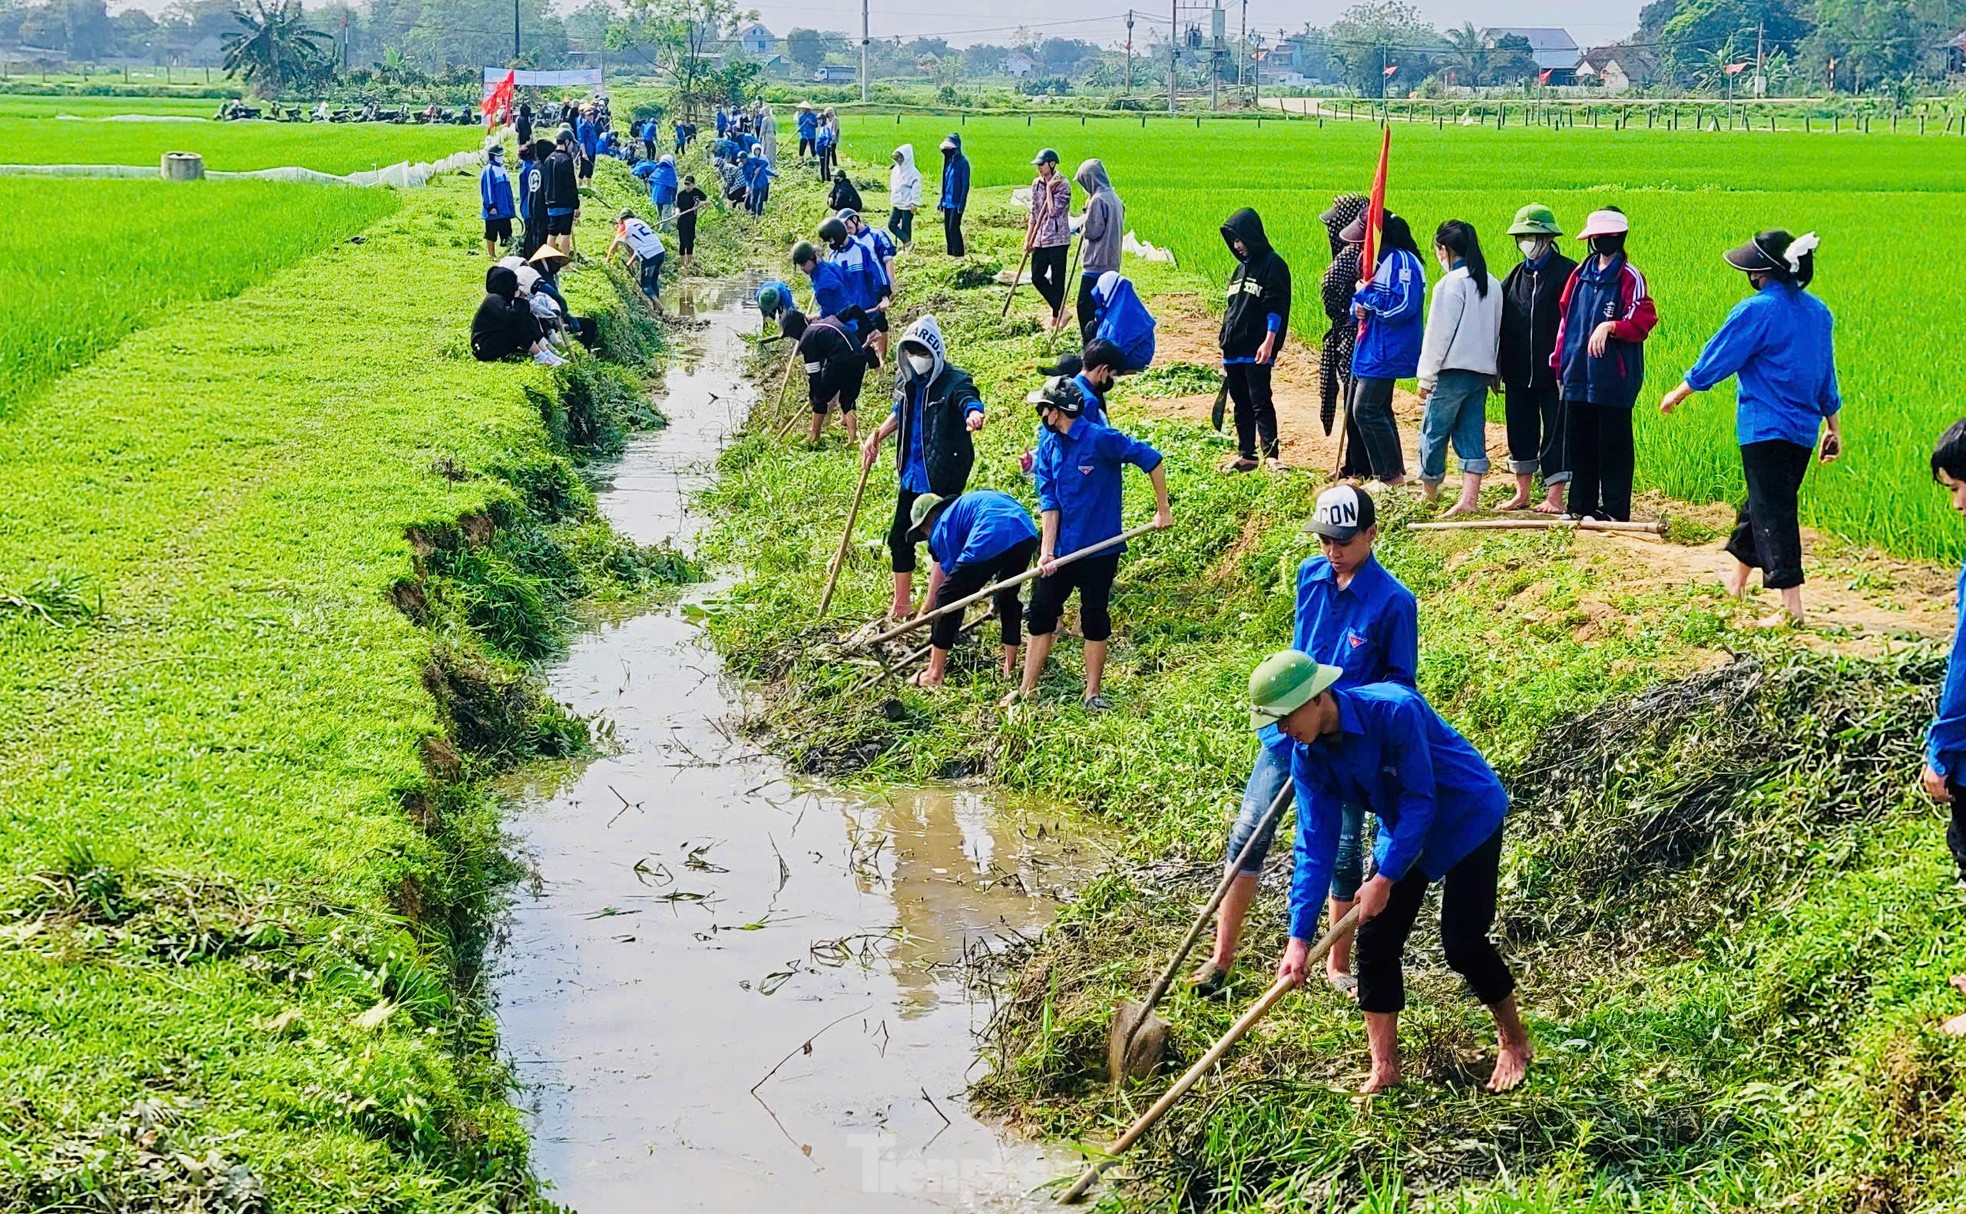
1192, 1076
1229, 876
1657, 527
1008, 582
846, 538
1016, 278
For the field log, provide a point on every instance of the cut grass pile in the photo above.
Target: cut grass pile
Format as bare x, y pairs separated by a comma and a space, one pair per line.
1690, 198
229, 146
153, 249
1731, 914
269, 579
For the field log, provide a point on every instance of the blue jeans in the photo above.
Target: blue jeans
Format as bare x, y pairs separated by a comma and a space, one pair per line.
1456, 412
652, 275
1267, 779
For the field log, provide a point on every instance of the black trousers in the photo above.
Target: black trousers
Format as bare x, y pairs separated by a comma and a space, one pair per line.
805, 147
1048, 274
1088, 307
1601, 461
1372, 412
1956, 827
965, 580
1767, 534
1467, 911
900, 545
1256, 410
952, 232
1092, 577
1536, 422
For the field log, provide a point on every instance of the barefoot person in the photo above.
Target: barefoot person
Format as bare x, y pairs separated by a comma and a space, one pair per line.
1944, 778
1457, 365
1778, 342
1354, 615
975, 540
1440, 810
936, 409
1078, 465
1532, 303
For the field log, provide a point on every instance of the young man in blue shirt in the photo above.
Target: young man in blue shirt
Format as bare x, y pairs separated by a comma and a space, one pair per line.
1078, 465
1944, 777
1440, 810
1353, 615
976, 539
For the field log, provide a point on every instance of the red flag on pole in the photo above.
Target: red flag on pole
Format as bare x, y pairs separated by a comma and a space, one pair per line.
1375, 216
500, 98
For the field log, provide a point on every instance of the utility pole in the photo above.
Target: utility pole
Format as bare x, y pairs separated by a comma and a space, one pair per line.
515, 33
863, 51
1244, 52
1173, 53
1126, 90
344, 44
1760, 72
1217, 36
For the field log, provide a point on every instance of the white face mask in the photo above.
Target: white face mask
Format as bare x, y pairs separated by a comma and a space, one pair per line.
1530, 246
921, 364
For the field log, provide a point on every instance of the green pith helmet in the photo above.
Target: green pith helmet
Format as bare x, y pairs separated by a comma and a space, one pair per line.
1535, 220
918, 513
1284, 683
768, 301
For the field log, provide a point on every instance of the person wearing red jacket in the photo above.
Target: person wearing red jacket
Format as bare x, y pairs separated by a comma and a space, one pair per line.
1599, 361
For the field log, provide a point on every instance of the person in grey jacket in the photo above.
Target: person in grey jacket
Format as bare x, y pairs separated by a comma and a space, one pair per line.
1101, 230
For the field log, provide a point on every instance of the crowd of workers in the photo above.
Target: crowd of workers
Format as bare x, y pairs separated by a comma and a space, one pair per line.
1342, 727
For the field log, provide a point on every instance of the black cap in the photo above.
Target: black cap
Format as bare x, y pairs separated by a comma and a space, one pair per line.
1061, 394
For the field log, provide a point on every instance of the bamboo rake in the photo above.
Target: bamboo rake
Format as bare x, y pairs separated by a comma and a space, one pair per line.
1655, 527
846, 538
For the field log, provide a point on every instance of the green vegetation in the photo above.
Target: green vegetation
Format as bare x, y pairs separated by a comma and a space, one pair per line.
1730, 911
1690, 198
270, 577
230, 146
153, 249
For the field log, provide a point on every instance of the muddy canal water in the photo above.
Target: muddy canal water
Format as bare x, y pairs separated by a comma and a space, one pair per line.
696, 917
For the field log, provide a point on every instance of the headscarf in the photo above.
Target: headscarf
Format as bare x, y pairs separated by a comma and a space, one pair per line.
1340, 281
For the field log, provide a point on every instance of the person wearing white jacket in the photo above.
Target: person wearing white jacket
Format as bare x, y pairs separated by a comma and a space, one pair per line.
904, 194
1457, 365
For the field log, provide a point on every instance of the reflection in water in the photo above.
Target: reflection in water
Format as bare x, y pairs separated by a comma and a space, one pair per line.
725, 990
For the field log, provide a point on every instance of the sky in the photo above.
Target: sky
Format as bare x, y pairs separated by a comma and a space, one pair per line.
1104, 21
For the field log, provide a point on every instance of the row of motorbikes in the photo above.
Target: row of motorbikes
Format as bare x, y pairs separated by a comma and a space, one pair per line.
430, 115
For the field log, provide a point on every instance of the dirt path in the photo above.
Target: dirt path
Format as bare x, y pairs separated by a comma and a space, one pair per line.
1857, 597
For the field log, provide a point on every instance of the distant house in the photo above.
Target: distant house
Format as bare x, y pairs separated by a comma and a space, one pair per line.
833, 73
1019, 65
756, 41
1956, 55
1555, 51
1617, 69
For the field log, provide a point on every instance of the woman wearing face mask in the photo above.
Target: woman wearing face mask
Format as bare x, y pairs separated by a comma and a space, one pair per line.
1532, 303
904, 192
1778, 341
1457, 365
1600, 363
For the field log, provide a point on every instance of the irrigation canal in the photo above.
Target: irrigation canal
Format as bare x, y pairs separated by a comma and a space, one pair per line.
696, 915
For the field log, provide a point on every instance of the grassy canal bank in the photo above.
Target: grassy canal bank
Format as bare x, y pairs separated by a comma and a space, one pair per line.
1732, 916
274, 571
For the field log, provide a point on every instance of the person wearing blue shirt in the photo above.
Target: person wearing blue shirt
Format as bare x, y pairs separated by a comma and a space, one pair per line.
955, 194
879, 242
496, 206
723, 122
588, 136
832, 294
808, 124
1354, 615
1944, 777
662, 189
1778, 342
774, 298
1440, 810
1121, 319
975, 540
1078, 465
757, 183
1389, 310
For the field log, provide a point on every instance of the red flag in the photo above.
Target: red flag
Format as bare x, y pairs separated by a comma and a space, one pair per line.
501, 95
1375, 215
1392, 69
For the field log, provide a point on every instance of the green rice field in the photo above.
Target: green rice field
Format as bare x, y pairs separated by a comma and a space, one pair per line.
226, 146
1690, 196
153, 249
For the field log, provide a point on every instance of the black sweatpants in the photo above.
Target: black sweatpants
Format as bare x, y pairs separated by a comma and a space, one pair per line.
1467, 911
965, 580
1956, 826
1048, 274
952, 232
1256, 409
1092, 577
1601, 461
1088, 307
1767, 534
1372, 412
900, 545
1536, 422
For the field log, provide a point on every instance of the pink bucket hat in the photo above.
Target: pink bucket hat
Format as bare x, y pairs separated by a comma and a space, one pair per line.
1604, 223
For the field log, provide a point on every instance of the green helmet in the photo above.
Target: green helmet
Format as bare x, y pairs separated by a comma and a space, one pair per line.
1284, 683
768, 301
1535, 220
918, 513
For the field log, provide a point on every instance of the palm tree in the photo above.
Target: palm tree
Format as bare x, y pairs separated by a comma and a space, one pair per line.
277, 50
1469, 51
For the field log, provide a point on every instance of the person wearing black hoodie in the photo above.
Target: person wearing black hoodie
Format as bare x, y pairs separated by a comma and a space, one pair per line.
504, 323
559, 182
1532, 304
955, 193
844, 196
1253, 327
